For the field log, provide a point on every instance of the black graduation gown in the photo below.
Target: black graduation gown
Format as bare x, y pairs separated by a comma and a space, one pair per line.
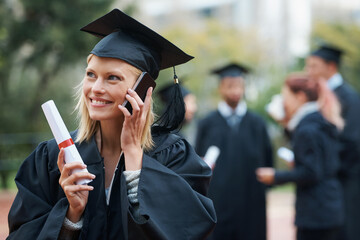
319, 196
171, 193
239, 199
350, 158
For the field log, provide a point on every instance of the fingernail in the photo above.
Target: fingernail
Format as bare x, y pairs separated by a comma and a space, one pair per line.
130, 90
91, 187
84, 166
93, 176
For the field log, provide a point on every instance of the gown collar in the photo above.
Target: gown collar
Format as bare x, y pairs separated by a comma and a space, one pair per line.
302, 112
226, 111
335, 81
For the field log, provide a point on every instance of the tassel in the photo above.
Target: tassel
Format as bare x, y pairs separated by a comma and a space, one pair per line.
174, 115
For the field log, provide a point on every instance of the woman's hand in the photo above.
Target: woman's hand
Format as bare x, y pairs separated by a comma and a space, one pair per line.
133, 128
77, 195
266, 175
330, 106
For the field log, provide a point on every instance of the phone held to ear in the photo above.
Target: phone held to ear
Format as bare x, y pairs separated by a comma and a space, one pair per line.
142, 84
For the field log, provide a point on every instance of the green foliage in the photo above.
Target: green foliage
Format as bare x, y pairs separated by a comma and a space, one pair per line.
213, 45
40, 45
346, 36
39, 41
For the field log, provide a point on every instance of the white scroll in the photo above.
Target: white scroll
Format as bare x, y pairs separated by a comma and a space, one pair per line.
62, 137
286, 154
211, 156
276, 108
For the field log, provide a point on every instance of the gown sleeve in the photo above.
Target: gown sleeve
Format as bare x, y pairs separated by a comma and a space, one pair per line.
308, 156
200, 143
39, 207
171, 193
268, 162
349, 138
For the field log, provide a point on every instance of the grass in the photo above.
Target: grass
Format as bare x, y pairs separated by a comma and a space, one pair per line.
10, 181
289, 187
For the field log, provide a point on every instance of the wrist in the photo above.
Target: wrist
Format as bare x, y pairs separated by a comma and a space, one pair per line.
74, 215
133, 158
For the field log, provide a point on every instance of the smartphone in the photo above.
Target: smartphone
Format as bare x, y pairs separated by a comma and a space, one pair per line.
142, 84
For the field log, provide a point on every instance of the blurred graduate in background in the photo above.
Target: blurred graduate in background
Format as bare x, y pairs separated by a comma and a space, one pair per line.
323, 64
244, 144
319, 196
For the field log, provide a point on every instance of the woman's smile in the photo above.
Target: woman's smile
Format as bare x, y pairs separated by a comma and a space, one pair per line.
99, 102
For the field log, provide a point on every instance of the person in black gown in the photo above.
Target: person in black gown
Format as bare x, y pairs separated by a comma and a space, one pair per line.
244, 144
146, 184
319, 199
324, 63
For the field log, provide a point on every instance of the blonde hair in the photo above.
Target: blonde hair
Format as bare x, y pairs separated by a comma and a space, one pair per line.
88, 127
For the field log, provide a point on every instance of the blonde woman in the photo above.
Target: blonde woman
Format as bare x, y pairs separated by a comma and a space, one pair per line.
144, 185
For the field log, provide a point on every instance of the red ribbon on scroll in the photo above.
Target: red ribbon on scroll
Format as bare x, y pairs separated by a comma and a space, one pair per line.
66, 143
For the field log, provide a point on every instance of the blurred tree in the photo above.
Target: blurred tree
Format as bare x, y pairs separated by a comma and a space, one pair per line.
39, 42
40, 50
345, 36
214, 44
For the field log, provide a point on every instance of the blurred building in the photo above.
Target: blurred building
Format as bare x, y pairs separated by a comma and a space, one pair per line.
285, 25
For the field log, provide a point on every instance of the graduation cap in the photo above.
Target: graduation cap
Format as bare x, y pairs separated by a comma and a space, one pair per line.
328, 53
231, 70
129, 40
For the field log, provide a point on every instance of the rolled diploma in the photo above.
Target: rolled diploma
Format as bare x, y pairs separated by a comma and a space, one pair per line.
211, 156
276, 108
286, 154
62, 137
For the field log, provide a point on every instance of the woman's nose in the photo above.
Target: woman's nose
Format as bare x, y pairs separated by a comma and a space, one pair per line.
98, 86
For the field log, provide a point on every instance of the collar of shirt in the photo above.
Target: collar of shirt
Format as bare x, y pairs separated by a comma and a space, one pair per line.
335, 81
303, 111
226, 111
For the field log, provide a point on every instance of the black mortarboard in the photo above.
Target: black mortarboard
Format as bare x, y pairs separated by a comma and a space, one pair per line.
166, 93
328, 53
231, 70
129, 40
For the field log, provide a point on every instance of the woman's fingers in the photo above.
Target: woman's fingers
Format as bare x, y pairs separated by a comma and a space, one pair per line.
69, 167
134, 95
68, 176
61, 159
137, 104
147, 102
74, 177
135, 100
72, 189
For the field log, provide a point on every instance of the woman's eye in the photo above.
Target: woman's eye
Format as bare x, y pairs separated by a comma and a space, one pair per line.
90, 74
113, 77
